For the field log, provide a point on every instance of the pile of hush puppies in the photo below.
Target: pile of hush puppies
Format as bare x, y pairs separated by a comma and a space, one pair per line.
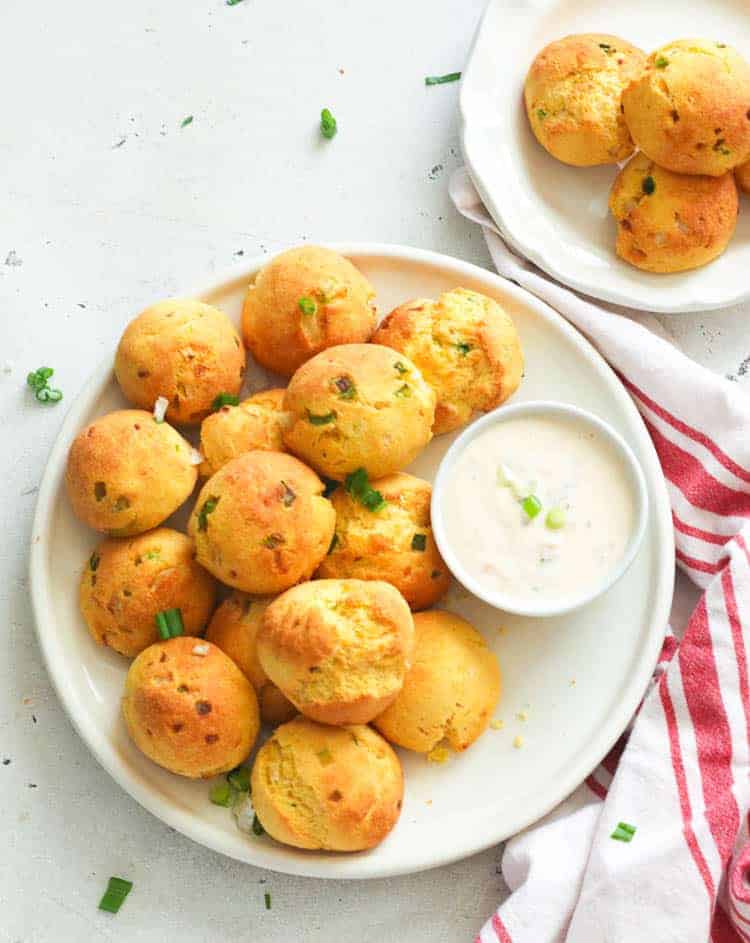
319, 543
594, 99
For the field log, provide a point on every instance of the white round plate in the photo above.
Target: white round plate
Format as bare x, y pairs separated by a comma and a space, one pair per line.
493, 790
557, 215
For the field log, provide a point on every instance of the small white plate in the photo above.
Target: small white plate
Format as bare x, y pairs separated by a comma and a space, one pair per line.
557, 215
493, 790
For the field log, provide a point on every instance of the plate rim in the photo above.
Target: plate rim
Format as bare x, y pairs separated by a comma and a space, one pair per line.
358, 866
532, 250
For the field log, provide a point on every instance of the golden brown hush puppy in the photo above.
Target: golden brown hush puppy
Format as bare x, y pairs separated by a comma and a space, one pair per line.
305, 300
466, 347
394, 544
358, 406
127, 581
261, 523
449, 692
234, 628
690, 109
189, 708
671, 222
183, 350
338, 649
572, 97
127, 473
233, 430
331, 788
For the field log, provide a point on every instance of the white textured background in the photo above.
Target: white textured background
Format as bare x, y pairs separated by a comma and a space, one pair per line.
109, 205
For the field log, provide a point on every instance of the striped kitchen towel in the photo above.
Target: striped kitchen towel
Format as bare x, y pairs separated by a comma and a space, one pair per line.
680, 774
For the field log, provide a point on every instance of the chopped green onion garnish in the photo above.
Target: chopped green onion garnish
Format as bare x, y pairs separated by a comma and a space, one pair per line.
531, 506
661, 62
267, 898
623, 832
328, 126
225, 399
186, 121
43, 392
555, 519
209, 506
288, 496
222, 794
330, 487
345, 388
307, 305
94, 561
333, 544
114, 897
257, 827
357, 484
320, 420
419, 542
541, 114
233, 3
239, 778
463, 349
169, 623
400, 367
403, 391
648, 185
442, 79
272, 541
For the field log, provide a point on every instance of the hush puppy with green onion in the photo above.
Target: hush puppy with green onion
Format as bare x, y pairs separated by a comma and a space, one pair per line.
127, 581
234, 628
689, 111
393, 543
189, 708
668, 222
261, 523
327, 788
127, 473
302, 301
184, 350
466, 347
572, 97
450, 691
358, 406
256, 423
338, 649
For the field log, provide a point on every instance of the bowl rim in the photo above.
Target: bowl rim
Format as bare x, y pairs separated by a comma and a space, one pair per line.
505, 601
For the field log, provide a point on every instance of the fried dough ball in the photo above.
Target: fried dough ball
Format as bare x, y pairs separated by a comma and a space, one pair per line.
466, 347
183, 350
689, 111
234, 628
127, 581
261, 523
394, 544
332, 788
671, 222
302, 301
338, 649
450, 691
189, 708
358, 406
233, 430
127, 473
572, 97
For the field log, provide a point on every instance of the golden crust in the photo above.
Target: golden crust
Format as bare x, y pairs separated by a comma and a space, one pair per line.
184, 350
189, 708
686, 221
338, 649
381, 545
266, 525
742, 176
233, 629
127, 473
466, 347
572, 97
332, 788
381, 421
690, 109
233, 430
127, 581
450, 691
280, 335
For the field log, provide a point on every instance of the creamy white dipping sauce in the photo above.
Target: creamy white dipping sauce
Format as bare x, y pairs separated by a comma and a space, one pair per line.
561, 550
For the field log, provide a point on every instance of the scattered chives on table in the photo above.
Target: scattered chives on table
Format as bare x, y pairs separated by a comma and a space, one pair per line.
114, 897
169, 623
623, 832
442, 79
268, 900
